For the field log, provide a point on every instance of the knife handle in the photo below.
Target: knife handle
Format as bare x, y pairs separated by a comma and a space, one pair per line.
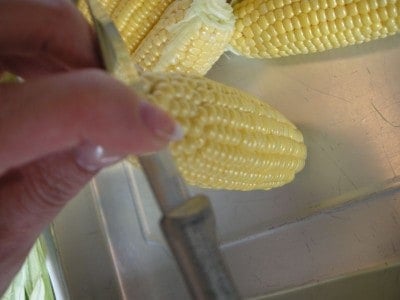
191, 235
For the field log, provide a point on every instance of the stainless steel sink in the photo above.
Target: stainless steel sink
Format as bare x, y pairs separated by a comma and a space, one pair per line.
381, 282
334, 233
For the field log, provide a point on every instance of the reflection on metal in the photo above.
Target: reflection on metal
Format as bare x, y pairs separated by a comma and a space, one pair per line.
167, 185
148, 211
53, 263
190, 231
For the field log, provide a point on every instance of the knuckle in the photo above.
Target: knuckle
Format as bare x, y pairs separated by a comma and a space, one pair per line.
45, 194
46, 188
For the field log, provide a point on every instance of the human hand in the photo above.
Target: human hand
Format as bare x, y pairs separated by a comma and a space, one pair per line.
52, 125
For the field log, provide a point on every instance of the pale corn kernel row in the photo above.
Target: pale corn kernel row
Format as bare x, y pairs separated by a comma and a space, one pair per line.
189, 37
232, 140
274, 28
135, 18
109, 5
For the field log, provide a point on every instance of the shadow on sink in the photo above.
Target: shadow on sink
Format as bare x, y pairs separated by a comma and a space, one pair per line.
381, 283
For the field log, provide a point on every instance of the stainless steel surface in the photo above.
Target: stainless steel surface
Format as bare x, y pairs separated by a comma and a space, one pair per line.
346, 103
190, 232
377, 283
165, 180
85, 260
143, 268
340, 215
53, 264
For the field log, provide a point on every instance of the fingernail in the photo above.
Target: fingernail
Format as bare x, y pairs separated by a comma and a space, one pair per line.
160, 123
94, 157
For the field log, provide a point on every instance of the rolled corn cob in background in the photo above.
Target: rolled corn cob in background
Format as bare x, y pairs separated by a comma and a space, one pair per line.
135, 18
232, 140
274, 28
189, 37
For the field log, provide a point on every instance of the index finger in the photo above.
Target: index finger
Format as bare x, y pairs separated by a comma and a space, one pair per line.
58, 113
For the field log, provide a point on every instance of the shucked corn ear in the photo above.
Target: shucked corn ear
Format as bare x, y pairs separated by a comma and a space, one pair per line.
273, 28
232, 140
189, 37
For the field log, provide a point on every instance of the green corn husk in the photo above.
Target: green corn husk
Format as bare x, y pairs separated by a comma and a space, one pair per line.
32, 282
7, 77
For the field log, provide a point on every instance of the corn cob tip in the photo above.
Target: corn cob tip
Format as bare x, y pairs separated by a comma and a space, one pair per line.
232, 140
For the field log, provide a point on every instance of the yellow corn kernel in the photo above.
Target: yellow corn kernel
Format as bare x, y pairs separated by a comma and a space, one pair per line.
109, 5
232, 140
189, 37
340, 23
135, 18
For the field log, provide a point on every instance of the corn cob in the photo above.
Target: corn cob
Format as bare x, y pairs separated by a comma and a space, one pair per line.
274, 28
134, 19
232, 140
189, 37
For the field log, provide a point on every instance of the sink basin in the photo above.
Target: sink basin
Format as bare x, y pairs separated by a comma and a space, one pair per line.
333, 233
381, 282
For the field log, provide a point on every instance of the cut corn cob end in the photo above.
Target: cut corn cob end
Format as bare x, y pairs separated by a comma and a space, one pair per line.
189, 37
232, 140
271, 28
